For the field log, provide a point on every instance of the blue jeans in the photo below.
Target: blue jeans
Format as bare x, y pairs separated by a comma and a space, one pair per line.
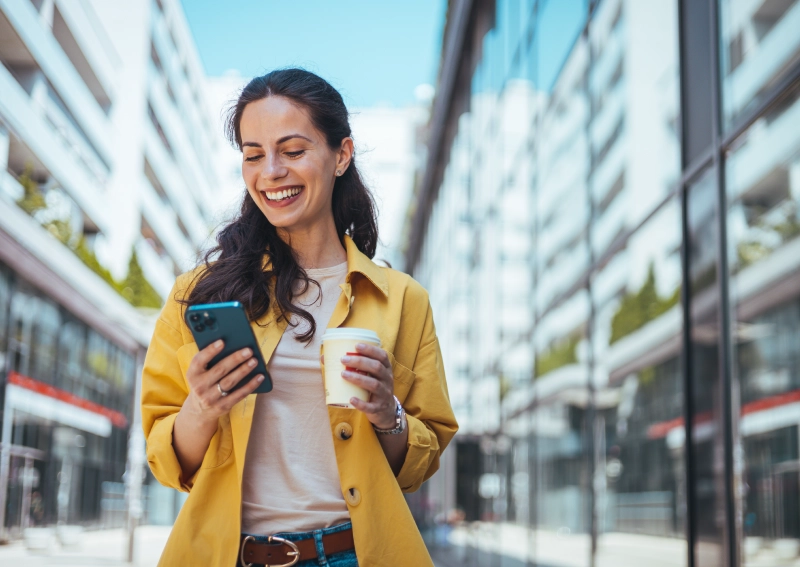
344, 559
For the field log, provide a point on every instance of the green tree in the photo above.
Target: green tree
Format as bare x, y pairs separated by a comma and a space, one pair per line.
88, 257
639, 308
558, 355
32, 200
135, 287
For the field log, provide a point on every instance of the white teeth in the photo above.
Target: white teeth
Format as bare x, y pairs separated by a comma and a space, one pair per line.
281, 195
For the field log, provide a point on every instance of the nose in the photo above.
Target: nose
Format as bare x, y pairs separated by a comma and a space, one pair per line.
273, 168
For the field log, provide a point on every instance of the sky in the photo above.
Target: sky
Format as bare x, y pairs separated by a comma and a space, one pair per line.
373, 51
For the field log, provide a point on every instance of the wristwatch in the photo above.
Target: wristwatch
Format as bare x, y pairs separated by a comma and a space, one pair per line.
399, 421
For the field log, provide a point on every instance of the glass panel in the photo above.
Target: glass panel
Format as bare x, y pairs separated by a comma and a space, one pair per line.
638, 344
5, 301
707, 437
71, 358
562, 209
560, 451
633, 131
759, 43
23, 308
45, 340
763, 184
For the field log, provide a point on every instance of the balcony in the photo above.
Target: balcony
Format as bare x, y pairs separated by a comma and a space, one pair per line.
766, 60
43, 48
164, 224
86, 43
55, 148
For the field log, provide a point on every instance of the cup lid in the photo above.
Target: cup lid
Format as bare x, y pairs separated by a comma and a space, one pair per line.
352, 334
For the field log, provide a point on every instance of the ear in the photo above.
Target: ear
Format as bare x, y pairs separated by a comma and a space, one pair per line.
344, 156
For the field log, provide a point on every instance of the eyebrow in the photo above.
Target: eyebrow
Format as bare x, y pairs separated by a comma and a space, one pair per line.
282, 140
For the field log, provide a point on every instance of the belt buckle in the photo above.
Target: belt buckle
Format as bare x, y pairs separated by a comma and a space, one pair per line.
295, 551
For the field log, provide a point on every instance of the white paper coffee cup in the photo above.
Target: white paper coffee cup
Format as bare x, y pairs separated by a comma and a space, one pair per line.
337, 343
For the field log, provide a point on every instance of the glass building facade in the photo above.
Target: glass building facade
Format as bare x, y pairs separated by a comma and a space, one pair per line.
609, 228
67, 399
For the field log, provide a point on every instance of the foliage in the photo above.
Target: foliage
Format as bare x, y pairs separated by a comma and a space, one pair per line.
505, 386
135, 287
62, 230
558, 355
639, 308
88, 257
782, 230
32, 200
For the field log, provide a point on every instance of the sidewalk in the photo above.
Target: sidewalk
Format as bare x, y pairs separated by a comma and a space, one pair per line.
104, 548
509, 545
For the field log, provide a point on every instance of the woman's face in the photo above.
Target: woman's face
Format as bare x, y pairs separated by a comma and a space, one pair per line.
287, 165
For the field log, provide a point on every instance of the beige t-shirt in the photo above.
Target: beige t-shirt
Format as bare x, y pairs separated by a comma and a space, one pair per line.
291, 481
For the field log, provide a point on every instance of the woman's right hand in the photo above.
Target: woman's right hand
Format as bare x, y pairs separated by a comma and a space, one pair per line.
206, 385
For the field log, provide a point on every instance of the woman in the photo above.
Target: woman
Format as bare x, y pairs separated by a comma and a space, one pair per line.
326, 481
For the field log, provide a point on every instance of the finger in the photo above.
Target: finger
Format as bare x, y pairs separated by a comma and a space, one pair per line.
202, 358
370, 408
370, 384
374, 352
227, 364
368, 365
235, 397
238, 374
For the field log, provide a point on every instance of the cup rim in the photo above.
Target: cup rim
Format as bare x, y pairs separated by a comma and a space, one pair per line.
351, 333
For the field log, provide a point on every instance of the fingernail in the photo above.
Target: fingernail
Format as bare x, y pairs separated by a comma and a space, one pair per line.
354, 401
361, 346
260, 378
345, 359
218, 344
246, 352
251, 362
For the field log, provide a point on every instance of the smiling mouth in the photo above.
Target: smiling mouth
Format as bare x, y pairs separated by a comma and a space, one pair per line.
277, 196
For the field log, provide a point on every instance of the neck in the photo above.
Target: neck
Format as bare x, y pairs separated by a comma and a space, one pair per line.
317, 246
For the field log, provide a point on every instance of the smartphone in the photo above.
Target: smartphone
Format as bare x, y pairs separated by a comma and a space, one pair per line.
227, 321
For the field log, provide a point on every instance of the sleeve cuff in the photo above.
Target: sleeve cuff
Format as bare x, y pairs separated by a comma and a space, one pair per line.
418, 458
162, 458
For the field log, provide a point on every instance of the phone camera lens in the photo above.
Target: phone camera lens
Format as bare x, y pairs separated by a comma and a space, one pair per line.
210, 320
194, 317
199, 327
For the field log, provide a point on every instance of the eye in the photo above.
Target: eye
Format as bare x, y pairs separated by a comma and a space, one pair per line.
252, 158
295, 154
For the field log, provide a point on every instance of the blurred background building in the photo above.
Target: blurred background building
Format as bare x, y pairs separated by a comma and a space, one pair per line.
608, 225
107, 192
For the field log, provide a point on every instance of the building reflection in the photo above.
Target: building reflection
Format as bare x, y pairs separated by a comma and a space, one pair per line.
615, 271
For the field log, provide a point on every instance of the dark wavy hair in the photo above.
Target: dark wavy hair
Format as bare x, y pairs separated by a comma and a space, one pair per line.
234, 268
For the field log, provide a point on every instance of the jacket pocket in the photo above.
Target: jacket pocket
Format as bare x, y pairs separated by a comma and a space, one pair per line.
221, 445
403, 378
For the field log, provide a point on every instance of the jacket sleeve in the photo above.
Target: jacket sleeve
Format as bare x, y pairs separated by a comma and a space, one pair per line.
163, 392
431, 422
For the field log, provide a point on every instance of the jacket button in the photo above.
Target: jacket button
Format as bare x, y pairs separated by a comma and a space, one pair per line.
344, 431
352, 496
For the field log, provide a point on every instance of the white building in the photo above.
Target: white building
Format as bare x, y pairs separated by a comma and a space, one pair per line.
106, 105
103, 120
387, 141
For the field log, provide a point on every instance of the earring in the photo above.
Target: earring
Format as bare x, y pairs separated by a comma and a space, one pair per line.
338, 173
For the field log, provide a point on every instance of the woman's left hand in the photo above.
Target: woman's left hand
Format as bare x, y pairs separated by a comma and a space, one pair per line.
378, 381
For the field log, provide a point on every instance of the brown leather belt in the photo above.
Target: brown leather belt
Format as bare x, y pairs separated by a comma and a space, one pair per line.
280, 552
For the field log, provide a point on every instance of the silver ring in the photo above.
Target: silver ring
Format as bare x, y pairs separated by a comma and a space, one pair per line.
222, 392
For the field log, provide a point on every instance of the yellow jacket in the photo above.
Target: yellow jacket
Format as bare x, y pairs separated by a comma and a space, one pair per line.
208, 527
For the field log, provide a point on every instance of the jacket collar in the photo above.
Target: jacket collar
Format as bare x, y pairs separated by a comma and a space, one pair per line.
358, 262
